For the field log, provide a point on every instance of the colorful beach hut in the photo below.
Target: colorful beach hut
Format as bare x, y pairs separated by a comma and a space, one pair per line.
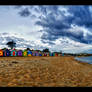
6, 52
25, 53
35, 53
40, 53
1, 52
50, 54
55, 54
19, 53
62, 54
29, 53
45, 54
59, 54
13, 53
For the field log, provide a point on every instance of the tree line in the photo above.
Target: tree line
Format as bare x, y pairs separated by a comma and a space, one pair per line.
12, 44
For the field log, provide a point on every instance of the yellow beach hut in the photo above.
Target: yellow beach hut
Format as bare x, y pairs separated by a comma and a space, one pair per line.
25, 53
1, 52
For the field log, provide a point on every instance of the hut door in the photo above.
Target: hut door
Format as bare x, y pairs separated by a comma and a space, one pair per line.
20, 54
7, 54
14, 53
24, 53
1, 54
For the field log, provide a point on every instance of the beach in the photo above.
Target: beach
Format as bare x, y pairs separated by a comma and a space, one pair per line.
62, 71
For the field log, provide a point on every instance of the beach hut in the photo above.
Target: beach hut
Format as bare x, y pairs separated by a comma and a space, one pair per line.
55, 54
59, 54
62, 54
29, 53
13, 53
6, 52
40, 53
1, 52
19, 53
45, 54
25, 53
50, 54
35, 53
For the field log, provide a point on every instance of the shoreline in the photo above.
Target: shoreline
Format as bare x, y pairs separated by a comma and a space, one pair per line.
84, 59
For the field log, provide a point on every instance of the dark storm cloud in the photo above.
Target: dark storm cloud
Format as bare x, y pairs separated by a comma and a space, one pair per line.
56, 28
81, 15
25, 12
49, 42
56, 24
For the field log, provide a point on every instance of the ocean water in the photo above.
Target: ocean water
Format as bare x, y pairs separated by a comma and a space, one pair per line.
85, 59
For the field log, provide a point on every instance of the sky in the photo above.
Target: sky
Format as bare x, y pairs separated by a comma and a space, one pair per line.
57, 27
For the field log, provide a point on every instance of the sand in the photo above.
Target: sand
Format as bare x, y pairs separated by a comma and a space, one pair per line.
44, 72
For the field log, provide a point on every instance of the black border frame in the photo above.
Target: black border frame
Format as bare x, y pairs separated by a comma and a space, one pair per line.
45, 2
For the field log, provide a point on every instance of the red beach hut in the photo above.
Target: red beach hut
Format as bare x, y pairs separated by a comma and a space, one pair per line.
13, 53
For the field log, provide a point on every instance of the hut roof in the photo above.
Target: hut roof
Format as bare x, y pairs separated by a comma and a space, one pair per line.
19, 51
6, 50
24, 51
1, 50
13, 50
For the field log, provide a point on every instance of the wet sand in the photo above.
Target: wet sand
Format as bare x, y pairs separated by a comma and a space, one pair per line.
44, 72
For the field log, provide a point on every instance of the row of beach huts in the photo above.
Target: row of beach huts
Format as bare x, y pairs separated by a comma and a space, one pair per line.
25, 53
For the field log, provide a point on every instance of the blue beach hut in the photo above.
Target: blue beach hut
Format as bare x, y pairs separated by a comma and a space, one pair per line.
40, 54
29, 53
50, 54
6, 52
62, 54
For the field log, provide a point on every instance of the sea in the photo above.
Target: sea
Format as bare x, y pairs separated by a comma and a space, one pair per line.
85, 59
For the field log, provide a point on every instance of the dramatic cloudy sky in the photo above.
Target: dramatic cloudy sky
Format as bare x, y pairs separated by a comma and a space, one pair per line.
66, 28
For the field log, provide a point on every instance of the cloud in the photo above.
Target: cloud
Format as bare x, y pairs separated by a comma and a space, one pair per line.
72, 22
25, 12
81, 15
60, 26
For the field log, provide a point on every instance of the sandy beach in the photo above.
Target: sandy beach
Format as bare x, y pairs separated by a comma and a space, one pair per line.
44, 72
